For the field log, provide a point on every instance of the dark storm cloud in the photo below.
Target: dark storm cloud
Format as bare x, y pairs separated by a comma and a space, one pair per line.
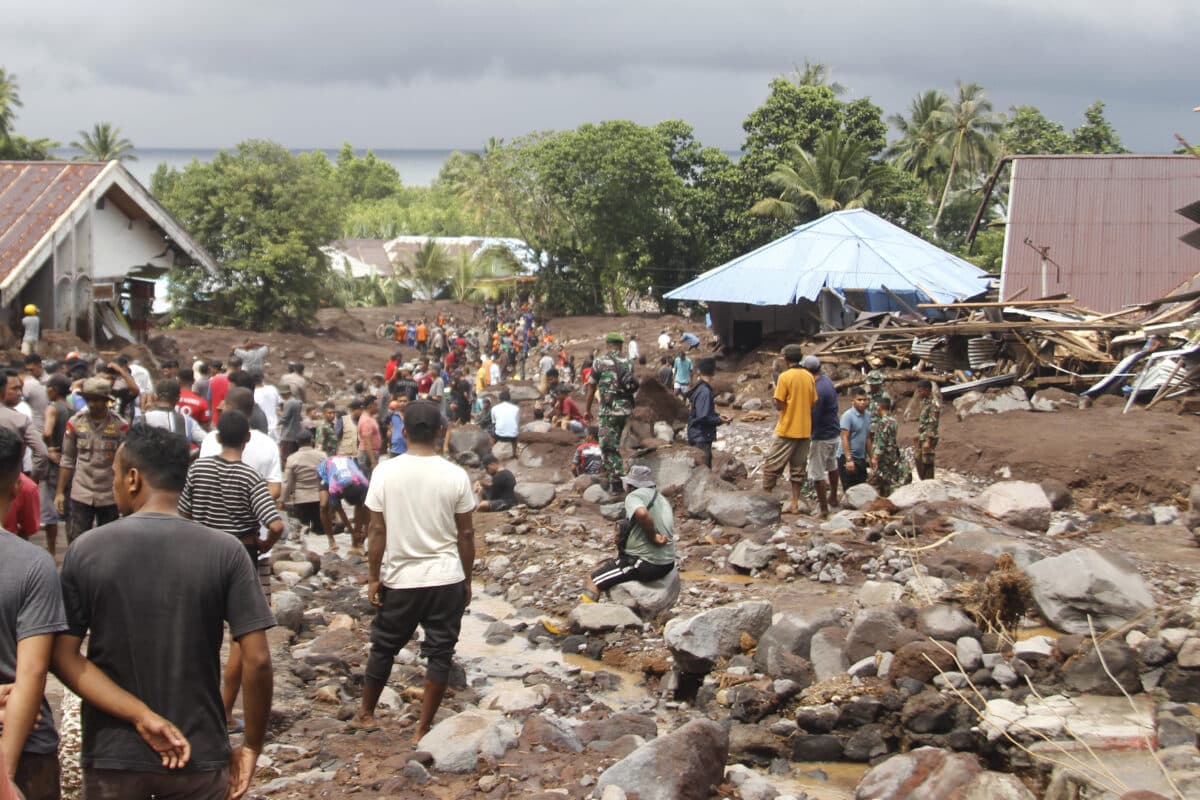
1072, 50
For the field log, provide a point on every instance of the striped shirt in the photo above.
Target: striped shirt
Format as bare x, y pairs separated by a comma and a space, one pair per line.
227, 495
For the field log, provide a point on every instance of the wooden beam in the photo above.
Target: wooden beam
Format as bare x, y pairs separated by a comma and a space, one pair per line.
971, 328
1000, 304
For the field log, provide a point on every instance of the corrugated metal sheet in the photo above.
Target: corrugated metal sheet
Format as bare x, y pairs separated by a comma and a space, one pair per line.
33, 195
1111, 223
844, 251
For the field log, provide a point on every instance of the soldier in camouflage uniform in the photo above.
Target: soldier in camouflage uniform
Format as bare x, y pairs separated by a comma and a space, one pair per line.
886, 459
611, 373
875, 393
927, 430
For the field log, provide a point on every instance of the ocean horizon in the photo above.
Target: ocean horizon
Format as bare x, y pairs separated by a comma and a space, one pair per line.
417, 166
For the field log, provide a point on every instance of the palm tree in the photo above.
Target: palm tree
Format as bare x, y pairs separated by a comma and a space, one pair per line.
473, 275
919, 150
428, 270
969, 130
816, 73
838, 174
10, 101
104, 143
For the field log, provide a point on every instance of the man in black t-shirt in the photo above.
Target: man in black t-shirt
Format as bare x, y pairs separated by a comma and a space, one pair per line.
160, 637
497, 494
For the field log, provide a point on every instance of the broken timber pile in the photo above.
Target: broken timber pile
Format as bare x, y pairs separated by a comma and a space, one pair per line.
1037, 343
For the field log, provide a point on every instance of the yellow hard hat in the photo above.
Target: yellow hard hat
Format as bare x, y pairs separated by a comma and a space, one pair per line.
30, 310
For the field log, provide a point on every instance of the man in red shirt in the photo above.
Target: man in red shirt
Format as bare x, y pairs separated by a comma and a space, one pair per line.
191, 404
567, 414
218, 387
393, 366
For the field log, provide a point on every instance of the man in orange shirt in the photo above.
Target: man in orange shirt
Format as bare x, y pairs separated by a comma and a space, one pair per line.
795, 396
422, 336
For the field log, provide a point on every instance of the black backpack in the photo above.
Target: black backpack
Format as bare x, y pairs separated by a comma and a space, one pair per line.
625, 526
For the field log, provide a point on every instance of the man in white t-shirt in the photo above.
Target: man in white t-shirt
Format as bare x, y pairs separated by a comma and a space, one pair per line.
506, 418
261, 452
267, 398
420, 551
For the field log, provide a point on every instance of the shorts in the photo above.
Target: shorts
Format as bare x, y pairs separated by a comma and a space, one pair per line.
262, 565
120, 784
46, 491
310, 514
437, 609
822, 459
787, 453
681, 388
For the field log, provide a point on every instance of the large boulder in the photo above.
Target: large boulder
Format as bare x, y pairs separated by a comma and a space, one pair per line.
874, 630
535, 495
827, 653
792, 634
1052, 399
1020, 503
993, 401
602, 618
859, 496
457, 742
749, 555
288, 609
1086, 673
672, 467
972, 539
687, 764
930, 491
927, 773
698, 642
1070, 587
650, 598
945, 622
739, 509
470, 439
521, 392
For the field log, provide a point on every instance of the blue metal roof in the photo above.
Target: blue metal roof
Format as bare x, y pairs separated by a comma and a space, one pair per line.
844, 250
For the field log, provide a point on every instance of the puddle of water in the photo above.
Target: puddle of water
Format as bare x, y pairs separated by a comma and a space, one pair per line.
698, 576
839, 780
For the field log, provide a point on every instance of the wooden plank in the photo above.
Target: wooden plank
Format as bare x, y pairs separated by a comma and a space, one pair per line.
998, 304
971, 328
871, 342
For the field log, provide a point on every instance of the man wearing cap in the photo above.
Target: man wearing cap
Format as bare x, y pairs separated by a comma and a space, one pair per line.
613, 378
89, 446
795, 396
648, 552
32, 325
875, 393
826, 435
928, 422
420, 553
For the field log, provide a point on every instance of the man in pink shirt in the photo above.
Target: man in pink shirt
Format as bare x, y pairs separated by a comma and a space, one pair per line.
370, 439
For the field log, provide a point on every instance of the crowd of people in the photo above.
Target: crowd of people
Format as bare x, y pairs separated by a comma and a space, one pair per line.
189, 479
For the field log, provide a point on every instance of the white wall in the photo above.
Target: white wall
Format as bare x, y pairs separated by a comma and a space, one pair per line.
123, 244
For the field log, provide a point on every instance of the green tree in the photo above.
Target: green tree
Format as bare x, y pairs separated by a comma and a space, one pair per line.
1028, 132
10, 101
428, 271
836, 175
1096, 134
969, 131
477, 276
815, 73
263, 214
366, 178
104, 143
919, 151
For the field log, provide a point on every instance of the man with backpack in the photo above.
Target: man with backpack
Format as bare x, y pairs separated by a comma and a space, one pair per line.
614, 379
645, 539
165, 415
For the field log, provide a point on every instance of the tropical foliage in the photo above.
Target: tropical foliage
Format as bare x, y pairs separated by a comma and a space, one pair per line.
104, 143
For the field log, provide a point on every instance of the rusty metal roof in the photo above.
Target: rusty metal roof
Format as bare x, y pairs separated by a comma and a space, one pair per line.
1112, 226
33, 195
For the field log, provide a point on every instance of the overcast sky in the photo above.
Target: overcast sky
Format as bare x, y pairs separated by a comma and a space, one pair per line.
391, 74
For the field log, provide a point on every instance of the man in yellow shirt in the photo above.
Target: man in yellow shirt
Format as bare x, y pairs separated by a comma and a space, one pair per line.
483, 375
795, 396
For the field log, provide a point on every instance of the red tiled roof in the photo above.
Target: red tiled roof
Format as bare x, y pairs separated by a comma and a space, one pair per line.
33, 195
1111, 223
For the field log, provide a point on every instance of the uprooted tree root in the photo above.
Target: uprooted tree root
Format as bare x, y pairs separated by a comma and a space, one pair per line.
1000, 601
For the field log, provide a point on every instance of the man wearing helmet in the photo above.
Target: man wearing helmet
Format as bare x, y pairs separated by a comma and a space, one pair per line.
33, 330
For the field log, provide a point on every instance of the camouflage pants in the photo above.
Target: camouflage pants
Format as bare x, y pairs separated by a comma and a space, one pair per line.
611, 428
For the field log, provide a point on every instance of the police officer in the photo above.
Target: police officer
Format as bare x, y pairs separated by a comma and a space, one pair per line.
89, 446
614, 379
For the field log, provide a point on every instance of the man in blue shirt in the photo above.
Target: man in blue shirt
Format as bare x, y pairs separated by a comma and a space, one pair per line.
703, 418
683, 373
398, 443
822, 451
856, 424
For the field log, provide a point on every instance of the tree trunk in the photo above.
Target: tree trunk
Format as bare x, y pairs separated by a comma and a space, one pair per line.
937, 219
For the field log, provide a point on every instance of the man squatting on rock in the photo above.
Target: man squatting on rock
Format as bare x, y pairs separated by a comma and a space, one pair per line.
649, 551
420, 551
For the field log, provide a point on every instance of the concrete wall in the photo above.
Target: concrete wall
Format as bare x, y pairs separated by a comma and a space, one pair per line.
123, 245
